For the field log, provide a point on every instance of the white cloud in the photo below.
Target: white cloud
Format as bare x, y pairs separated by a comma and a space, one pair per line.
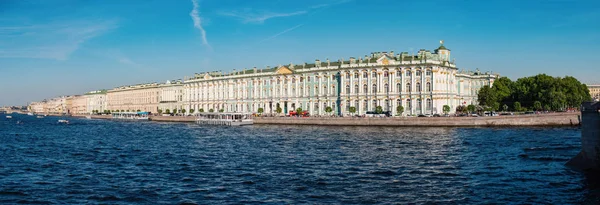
329, 4
51, 40
195, 14
128, 61
281, 33
250, 16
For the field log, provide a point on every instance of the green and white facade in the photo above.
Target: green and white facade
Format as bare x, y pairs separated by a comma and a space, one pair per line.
421, 83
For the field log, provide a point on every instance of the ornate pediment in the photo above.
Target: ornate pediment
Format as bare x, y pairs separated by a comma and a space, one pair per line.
385, 60
284, 70
207, 76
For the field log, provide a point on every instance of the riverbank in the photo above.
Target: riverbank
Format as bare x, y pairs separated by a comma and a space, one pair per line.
551, 119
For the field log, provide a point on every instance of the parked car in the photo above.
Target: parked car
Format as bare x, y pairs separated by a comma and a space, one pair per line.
436, 115
421, 115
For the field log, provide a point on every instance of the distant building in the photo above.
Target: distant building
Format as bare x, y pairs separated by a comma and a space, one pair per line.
171, 96
421, 83
142, 97
594, 92
77, 105
96, 100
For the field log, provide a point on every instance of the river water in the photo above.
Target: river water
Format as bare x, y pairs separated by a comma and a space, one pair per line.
115, 162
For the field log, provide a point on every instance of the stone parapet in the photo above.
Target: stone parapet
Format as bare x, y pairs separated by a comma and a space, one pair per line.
553, 119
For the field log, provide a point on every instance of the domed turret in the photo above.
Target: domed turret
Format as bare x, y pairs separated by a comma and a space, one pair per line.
443, 52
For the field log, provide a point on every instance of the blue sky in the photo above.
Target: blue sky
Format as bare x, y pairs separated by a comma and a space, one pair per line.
64, 47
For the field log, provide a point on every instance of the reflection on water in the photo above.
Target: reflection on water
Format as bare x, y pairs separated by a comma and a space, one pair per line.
97, 161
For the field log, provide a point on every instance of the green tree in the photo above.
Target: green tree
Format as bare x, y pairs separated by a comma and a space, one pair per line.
446, 109
183, 111
201, 110
486, 96
299, 110
167, 111
211, 110
192, 111
471, 108
378, 110
160, 111
399, 109
174, 111
537, 105
547, 107
495, 106
328, 109
278, 110
139, 110
260, 110
505, 107
122, 110
352, 109
503, 89
221, 110
517, 106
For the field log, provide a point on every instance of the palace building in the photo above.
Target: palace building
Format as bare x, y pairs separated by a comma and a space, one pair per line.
421, 84
594, 92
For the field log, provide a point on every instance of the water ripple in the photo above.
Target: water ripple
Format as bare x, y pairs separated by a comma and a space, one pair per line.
111, 162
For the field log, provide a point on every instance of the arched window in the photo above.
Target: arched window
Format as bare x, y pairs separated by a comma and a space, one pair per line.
428, 86
408, 73
408, 87
316, 106
365, 75
398, 102
374, 105
347, 89
418, 85
293, 80
387, 88
374, 74
316, 90
365, 105
348, 75
387, 105
398, 73
419, 104
347, 105
398, 87
374, 88
301, 90
325, 91
418, 73
355, 75
365, 89
356, 89
385, 74
429, 104
357, 105
301, 79
428, 73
